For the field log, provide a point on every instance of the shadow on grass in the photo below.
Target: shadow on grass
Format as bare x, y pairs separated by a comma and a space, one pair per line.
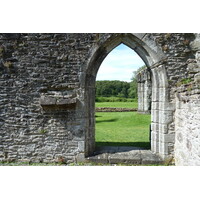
108, 120
97, 116
145, 145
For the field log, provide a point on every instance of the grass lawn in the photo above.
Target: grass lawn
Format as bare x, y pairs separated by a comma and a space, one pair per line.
122, 129
117, 104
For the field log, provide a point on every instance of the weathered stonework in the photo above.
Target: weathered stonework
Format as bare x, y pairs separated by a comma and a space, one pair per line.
187, 115
47, 93
144, 91
187, 118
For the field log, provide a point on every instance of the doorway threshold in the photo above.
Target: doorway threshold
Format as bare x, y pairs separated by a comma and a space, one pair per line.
124, 155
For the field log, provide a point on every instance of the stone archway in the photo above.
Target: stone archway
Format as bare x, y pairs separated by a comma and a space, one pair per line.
161, 109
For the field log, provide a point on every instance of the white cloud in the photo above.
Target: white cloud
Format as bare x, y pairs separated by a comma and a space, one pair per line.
119, 64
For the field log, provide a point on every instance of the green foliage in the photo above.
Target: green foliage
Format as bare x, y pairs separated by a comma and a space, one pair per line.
183, 81
114, 99
42, 131
186, 80
138, 71
117, 88
112, 88
132, 91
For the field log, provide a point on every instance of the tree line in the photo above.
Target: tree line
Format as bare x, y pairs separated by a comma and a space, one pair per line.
117, 88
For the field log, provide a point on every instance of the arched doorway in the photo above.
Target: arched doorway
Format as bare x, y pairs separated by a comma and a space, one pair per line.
116, 90
161, 109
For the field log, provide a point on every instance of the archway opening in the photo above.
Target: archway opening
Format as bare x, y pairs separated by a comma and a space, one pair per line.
161, 108
116, 100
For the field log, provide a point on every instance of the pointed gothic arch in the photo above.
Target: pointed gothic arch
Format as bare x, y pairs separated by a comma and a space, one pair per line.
160, 114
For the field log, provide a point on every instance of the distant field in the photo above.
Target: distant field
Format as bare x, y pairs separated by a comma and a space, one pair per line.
122, 129
117, 104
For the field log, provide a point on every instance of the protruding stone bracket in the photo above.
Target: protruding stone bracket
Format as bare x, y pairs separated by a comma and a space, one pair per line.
49, 102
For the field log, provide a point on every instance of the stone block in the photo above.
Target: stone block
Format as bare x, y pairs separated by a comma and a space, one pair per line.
47, 101
165, 117
155, 116
163, 128
49, 156
166, 138
132, 158
195, 45
163, 148
81, 146
102, 158
80, 158
193, 68
139, 35
62, 101
154, 135
154, 127
154, 105
148, 157
197, 56
154, 146
197, 77
155, 94
165, 106
163, 94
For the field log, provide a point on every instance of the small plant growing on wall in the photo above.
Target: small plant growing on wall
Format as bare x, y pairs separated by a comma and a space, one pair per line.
186, 80
42, 131
183, 82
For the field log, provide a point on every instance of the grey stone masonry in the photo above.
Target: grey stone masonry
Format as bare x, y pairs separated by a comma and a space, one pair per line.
187, 141
144, 91
187, 116
47, 93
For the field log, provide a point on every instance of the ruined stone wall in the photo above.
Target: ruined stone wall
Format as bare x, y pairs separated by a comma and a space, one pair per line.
144, 91
187, 114
187, 124
41, 119
44, 110
166, 73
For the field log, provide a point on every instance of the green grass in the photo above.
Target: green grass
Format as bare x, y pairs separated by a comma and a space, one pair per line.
117, 104
122, 129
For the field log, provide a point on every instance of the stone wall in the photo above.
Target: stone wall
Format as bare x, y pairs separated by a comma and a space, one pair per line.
187, 114
144, 91
41, 119
187, 123
47, 87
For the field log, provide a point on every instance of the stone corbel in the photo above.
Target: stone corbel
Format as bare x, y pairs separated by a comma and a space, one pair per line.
57, 102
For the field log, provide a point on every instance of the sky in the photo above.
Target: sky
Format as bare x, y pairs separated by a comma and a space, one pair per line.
119, 64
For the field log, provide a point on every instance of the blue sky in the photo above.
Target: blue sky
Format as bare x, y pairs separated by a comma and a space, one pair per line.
119, 64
